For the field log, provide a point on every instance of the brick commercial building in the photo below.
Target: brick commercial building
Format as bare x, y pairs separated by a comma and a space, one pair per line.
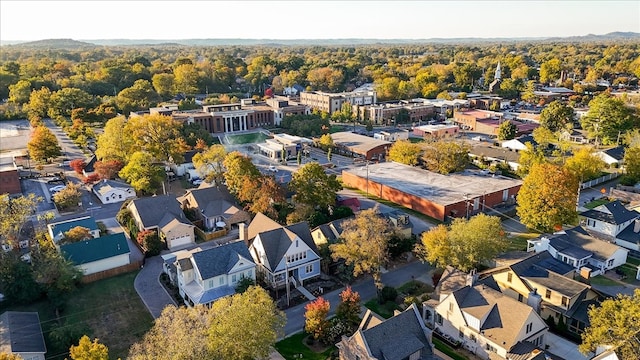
350, 144
439, 196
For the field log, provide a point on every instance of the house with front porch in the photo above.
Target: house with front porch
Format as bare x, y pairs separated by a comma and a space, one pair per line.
283, 254
614, 222
587, 254
112, 191
163, 214
205, 276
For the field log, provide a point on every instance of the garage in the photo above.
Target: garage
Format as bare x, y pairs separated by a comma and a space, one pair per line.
180, 241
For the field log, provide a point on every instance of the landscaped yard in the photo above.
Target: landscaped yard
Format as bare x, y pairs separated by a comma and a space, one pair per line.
602, 280
251, 138
519, 242
109, 310
294, 346
385, 310
596, 203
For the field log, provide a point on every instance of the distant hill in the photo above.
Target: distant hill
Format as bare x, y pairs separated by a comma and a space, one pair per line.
74, 44
69, 44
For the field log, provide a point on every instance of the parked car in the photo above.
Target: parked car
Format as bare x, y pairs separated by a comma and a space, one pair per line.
57, 188
197, 182
272, 168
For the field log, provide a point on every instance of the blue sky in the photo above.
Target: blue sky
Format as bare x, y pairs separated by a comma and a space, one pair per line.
171, 20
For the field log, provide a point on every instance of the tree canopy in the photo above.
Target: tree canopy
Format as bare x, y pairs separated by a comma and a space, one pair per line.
142, 173
556, 116
43, 144
405, 152
210, 163
88, 350
608, 118
584, 164
507, 130
446, 156
313, 187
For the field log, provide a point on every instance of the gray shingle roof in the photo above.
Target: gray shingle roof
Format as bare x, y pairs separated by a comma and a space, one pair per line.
616, 152
536, 271
629, 235
105, 186
611, 213
153, 209
219, 260
20, 332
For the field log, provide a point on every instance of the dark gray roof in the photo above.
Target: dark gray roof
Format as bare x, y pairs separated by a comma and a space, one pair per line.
561, 243
398, 337
543, 261
20, 332
205, 195
528, 139
616, 213
302, 230
153, 209
629, 235
616, 152
325, 229
219, 260
532, 270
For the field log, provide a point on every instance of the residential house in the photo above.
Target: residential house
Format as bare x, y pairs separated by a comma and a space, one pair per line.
96, 255
57, 230
614, 222
186, 164
89, 168
612, 157
163, 214
519, 144
352, 203
404, 336
541, 273
207, 275
21, 334
328, 233
489, 323
213, 207
576, 247
112, 191
575, 136
282, 253
489, 155
400, 222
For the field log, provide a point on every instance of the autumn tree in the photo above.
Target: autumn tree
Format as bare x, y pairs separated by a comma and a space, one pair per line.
7, 356
607, 119
238, 168
76, 234
465, 243
43, 144
142, 174
88, 350
315, 315
14, 212
615, 323
68, 197
326, 142
77, 165
150, 242
349, 307
632, 163
163, 84
108, 169
507, 130
63, 101
159, 135
313, 187
584, 164
115, 143
547, 198
20, 92
185, 80
550, 71
446, 156
261, 194
38, 103
210, 163
365, 244
405, 152
556, 116
529, 157
140, 96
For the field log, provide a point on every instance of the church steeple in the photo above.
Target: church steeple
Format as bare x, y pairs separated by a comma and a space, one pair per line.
498, 72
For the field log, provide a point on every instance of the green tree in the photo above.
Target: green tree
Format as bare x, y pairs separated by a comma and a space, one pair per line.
528, 94
238, 168
43, 144
547, 198
244, 326
115, 143
615, 323
163, 84
14, 212
17, 281
365, 244
313, 187
607, 119
529, 157
584, 164
550, 71
142, 174
405, 152
632, 162
38, 105
140, 96
20, 92
507, 130
315, 315
63, 101
150, 242
556, 116
244, 284
159, 135
55, 274
210, 163
446, 156
87, 350
186, 79
465, 244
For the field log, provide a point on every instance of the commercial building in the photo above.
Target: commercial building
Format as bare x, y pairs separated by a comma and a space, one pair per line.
350, 144
439, 196
332, 102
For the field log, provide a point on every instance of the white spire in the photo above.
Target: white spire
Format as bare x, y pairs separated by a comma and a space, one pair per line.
498, 72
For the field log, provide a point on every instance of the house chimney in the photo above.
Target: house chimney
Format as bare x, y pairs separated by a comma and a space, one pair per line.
244, 233
636, 226
534, 300
472, 277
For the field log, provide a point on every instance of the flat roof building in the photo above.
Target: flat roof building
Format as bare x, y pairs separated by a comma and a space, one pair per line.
350, 144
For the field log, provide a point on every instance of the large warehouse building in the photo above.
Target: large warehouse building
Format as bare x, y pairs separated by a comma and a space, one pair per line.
439, 196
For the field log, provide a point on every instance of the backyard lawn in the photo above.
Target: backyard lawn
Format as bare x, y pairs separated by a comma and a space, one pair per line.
293, 346
109, 310
596, 203
519, 242
385, 310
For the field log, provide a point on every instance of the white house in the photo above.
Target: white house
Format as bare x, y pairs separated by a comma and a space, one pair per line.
21, 334
58, 229
282, 253
111, 191
489, 323
613, 156
96, 255
576, 247
519, 143
186, 165
614, 222
207, 275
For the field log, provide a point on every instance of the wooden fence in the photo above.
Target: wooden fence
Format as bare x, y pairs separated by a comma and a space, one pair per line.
112, 272
208, 236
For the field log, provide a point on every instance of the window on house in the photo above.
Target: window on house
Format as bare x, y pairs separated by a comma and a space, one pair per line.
610, 262
210, 283
438, 319
233, 278
520, 297
565, 301
490, 348
222, 280
529, 327
461, 333
472, 337
308, 269
450, 307
547, 294
509, 277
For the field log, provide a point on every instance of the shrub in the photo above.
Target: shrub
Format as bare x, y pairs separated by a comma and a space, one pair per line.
93, 178
627, 180
389, 293
78, 165
123, 216
150, 241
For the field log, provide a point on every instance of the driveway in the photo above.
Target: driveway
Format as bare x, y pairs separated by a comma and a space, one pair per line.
564, 349
147, 284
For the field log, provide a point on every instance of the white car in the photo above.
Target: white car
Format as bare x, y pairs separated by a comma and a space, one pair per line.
272, 168
197, 182
57, 188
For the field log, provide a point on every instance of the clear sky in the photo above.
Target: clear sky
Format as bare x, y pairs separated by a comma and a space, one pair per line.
174, 20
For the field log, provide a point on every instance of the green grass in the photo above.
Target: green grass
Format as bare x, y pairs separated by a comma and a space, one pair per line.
631, 271
293, 346
415, 287
596, 203
252, 138
109, 310
337, 128
216, 140
633, 261
416, 140
602, 280
385, 310
447, 350
519, 242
